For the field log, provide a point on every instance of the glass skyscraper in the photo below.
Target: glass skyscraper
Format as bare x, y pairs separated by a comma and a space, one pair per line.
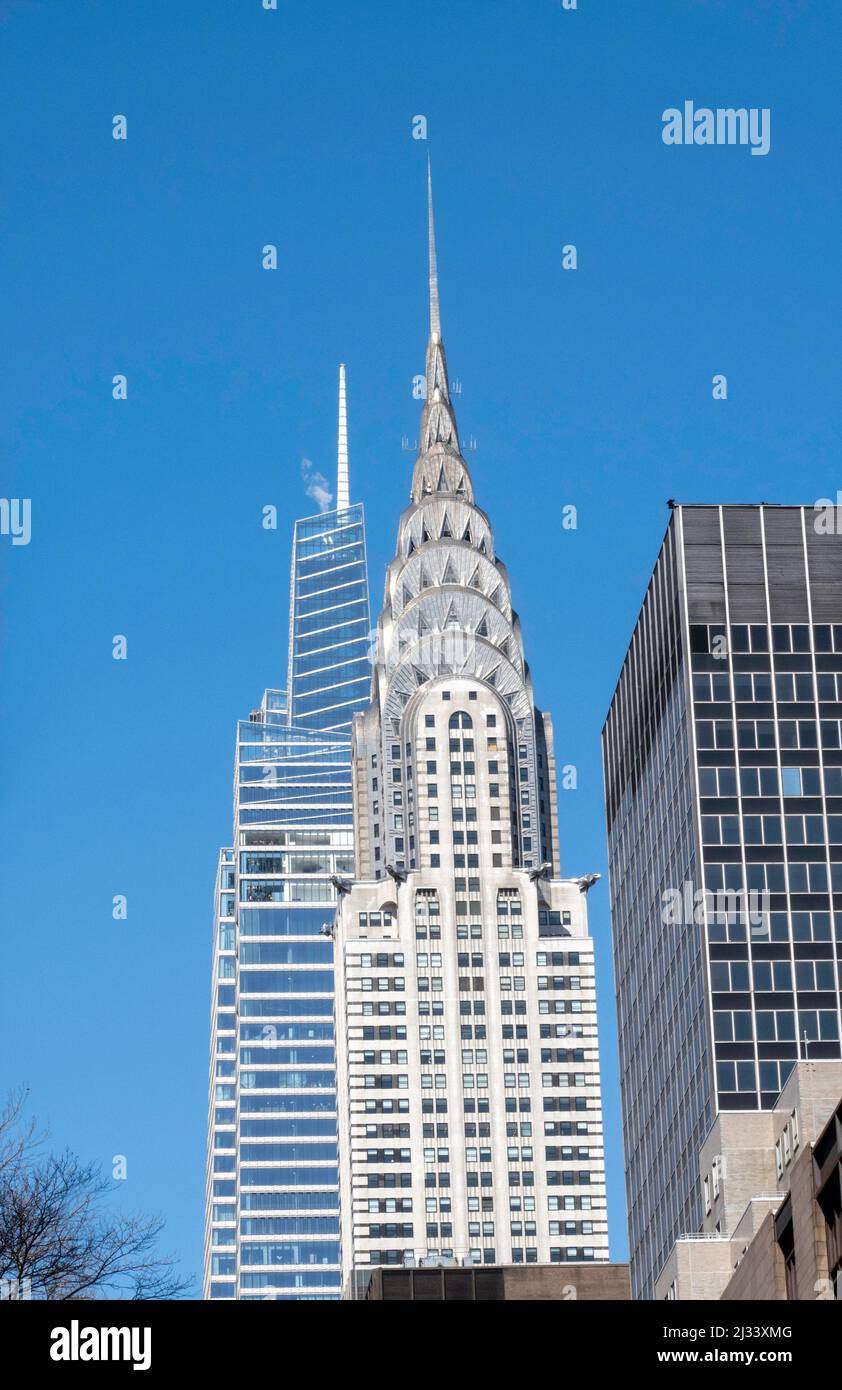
272, 1203
723, 778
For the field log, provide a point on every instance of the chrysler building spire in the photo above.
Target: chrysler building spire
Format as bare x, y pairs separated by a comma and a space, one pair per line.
438, 422
435, 321
343, 498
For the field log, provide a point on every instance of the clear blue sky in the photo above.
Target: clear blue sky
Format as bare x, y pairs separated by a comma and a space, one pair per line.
590, 387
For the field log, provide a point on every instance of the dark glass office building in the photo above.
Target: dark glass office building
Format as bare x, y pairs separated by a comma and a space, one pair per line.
722, 757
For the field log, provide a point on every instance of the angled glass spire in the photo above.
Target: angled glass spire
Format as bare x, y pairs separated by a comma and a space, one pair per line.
343, 497
329, 677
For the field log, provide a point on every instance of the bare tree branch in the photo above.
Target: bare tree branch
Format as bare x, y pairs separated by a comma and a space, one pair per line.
58, 1237
18, 1137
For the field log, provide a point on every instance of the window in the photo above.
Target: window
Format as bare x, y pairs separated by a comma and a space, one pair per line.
708, 688
791, 781
714, 734
719, 781
755, 781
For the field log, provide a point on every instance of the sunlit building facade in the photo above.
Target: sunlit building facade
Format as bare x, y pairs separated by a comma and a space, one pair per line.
468, 1065
272, 1223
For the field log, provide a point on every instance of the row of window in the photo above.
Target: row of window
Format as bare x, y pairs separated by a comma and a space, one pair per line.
761, 687
753, 734
805, 876
754, 637
529, 1255
521, 1202
765, 781
771, 830
781, 1025
737, 975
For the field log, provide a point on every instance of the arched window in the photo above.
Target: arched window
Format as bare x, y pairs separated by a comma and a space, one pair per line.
460, 720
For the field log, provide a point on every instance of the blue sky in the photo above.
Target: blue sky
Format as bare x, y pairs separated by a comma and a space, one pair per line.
589, 387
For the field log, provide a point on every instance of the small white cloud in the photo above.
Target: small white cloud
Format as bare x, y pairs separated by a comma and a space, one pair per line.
317, 486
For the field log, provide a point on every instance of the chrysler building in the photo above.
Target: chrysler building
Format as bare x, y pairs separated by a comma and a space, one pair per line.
470, 1120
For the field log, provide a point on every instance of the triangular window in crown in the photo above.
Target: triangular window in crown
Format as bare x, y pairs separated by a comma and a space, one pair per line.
482, 549
482, 629
474, 581
495, 597
442, 484
492, 676
450, 576
425, 535
424, 581
445, 527
466, 535
410, 550
452, 619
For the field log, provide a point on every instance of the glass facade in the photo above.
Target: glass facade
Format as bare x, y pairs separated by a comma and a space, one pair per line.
272, 1222
329, 676
723, 763
770, 787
